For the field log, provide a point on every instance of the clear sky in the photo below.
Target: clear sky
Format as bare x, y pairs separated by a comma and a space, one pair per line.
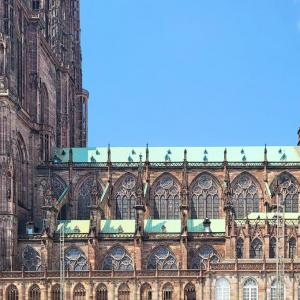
192, 72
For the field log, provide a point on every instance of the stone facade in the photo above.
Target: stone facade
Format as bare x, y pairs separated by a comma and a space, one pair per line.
162, 225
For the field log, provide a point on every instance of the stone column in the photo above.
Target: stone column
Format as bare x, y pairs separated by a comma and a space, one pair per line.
23, 290
246, 253
90, 290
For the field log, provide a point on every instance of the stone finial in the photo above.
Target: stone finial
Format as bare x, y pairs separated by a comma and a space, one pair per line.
147, 153
108, 154
225, 155
71, 155
265, 153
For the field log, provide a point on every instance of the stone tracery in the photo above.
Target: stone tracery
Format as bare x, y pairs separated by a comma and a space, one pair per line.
162, 258
245, 195
84, 198
117, 259
75, 260
288, 191
166, 198
204, 200
206, 254
31, 259
125, 197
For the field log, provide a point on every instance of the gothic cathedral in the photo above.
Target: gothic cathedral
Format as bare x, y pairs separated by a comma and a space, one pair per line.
134, 223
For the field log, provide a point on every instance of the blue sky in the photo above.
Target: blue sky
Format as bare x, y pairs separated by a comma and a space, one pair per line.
192, 73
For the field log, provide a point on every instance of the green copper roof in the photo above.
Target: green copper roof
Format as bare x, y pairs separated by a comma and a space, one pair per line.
176, 154
162, 226
75, 226
196, 225
117, 226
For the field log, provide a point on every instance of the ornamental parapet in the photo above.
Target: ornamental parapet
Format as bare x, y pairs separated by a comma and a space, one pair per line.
184, 273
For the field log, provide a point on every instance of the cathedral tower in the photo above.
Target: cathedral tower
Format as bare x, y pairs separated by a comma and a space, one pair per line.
42, 103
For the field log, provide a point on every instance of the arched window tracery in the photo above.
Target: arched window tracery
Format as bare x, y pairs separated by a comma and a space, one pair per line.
12, 293
272, 248
117, 259
240, 248
250, 290
75, 260
124, 292
288, 191
162, 258
146, 292
58, 186
34, 293
245, 195
292, 247
222, 289
167, 291
277, 286
101, 292
31, 259
79, 292
204, 200
206, 254
55, 292
256, 248
166, 196
125, 197
190, 292
84, 198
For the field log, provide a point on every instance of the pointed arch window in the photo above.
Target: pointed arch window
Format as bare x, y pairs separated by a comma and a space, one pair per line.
162, 258
245, 196
55, 292
117, 259
75, 260
79, 292
256, 248
21, 173
190, 292
272, 248
124, 292
31, 259
166, 195
292, 247
206, 254
34, 293
222, 289
288, 191
101, 292
125, 197
250, 290
277, 289
204, 201
240, 248
84, 198
12, 293
167, 291
58, 186
146, 292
